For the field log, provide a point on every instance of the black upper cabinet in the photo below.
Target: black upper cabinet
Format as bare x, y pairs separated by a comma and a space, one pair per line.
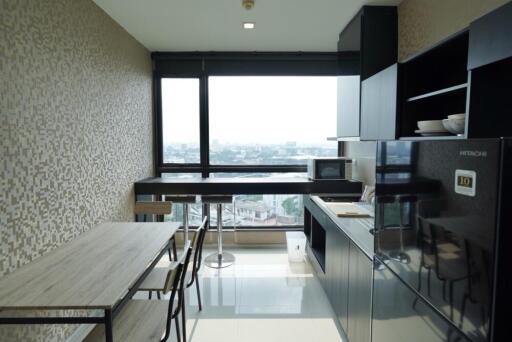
490, 37
379, 105
373, 34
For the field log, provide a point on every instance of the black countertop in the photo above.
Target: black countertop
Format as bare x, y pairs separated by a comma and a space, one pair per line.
244, 186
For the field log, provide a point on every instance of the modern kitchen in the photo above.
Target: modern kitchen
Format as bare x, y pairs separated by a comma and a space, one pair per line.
252, 170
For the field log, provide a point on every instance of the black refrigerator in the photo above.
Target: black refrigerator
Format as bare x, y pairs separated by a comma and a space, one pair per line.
442, 241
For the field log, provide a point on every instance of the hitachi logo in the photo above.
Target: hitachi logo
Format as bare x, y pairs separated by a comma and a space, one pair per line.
473, 153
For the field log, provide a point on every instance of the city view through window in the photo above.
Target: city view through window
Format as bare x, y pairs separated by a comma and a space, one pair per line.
253, 120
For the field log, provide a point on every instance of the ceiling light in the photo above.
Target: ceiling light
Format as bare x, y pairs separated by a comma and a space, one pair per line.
248, 4
249, 26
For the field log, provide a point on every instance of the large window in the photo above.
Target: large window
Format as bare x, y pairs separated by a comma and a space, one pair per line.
271, 120
240, 115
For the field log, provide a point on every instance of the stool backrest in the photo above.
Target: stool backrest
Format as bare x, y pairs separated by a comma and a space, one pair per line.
198, 249
174, 278
174, 283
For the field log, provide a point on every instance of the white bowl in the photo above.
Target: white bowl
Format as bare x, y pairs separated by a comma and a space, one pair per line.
431, 125
457, 116
455, 126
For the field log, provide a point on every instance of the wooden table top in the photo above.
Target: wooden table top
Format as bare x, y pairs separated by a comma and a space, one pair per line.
94, 271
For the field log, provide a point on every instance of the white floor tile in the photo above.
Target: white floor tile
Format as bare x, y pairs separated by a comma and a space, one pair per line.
262, 297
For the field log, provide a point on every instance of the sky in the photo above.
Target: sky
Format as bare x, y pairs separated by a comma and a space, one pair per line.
252, 109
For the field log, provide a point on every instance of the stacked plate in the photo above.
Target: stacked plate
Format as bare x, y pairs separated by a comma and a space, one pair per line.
431, 128
455, 123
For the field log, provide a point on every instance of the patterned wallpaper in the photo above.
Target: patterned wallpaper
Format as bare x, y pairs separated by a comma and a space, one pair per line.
75, 127
422, 23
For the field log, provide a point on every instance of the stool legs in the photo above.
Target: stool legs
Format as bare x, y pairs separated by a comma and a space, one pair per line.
219, 229
220, 259
400, 254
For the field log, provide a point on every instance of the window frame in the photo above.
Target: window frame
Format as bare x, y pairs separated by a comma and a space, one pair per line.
244, 64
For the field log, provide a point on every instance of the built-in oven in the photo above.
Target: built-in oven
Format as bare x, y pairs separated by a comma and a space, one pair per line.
436, 224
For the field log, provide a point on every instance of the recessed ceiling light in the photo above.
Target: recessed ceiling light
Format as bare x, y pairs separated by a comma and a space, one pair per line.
249, 26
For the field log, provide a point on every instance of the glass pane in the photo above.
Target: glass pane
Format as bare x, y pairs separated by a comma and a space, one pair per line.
195, 214
180, 120
271, 120
261, 210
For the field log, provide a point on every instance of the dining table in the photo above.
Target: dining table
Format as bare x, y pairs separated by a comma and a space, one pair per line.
101, 270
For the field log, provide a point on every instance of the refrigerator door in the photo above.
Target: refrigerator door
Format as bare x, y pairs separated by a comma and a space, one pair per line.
436, 224
400, 315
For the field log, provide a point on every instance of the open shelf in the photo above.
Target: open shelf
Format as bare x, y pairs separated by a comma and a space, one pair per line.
434, 84
438, 92
343, 139
307, 225
439, 137
318, 242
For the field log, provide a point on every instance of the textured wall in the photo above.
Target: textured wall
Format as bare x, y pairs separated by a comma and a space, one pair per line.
422, 23
75, 125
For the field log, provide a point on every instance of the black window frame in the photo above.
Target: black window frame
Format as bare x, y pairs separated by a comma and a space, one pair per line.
202, 65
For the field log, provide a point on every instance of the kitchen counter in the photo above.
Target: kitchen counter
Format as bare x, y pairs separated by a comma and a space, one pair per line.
357, 229
245, 186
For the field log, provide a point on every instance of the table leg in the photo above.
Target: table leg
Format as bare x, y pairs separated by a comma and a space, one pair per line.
108, 326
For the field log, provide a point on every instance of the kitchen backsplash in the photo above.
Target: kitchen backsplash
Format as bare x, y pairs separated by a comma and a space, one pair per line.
363, 152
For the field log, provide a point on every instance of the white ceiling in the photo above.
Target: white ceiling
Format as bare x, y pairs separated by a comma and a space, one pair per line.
216, 25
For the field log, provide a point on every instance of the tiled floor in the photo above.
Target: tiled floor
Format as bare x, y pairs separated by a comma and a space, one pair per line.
262, 297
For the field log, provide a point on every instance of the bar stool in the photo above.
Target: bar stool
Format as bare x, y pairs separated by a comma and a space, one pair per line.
219, 259
186, 200
381, 201
400, 255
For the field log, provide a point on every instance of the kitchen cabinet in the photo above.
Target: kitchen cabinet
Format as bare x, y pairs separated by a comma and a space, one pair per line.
490, 64
337, 270
489, 37
346, 277
359, 295
379, 105
348, 106
373, 35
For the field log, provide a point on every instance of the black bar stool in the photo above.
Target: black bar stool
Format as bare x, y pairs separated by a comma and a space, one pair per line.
400, 255
219, 259
381, 201
186, 200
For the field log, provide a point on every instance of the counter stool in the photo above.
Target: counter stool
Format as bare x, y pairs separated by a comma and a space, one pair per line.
381, 201
400, 255
186, 200
219, 259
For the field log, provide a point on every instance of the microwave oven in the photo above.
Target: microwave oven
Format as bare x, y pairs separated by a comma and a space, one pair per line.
330, 168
